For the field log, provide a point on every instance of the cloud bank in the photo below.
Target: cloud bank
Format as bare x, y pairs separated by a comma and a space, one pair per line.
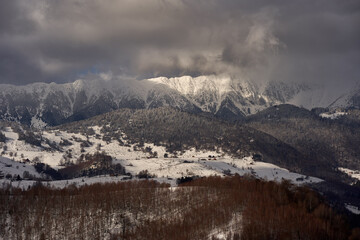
261, 40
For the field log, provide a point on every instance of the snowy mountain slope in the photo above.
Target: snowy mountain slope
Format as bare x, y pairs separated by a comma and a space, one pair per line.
211, 93
41, 104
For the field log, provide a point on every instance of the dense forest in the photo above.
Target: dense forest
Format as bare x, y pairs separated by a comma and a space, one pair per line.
237, 207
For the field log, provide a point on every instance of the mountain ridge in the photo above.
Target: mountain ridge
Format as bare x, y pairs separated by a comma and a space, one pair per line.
41, 104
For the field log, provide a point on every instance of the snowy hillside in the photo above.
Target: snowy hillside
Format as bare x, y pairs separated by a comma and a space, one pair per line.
159, 163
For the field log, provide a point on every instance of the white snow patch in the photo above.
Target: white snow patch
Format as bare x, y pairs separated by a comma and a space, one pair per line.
352, 209
352, 173
332, 115
37, 123
10, 134
234, 226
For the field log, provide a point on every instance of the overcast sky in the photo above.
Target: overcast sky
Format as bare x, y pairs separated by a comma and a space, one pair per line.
290, 40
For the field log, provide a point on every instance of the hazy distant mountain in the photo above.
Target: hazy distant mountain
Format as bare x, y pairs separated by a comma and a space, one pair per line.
42, 104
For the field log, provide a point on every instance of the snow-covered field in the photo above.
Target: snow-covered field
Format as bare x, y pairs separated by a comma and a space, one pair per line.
8, 166
166, 167
195, 166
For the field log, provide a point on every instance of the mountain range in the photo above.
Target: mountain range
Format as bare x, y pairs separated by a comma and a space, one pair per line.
42, 104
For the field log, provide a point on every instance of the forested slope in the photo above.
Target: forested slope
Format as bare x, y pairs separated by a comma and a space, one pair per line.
235, 207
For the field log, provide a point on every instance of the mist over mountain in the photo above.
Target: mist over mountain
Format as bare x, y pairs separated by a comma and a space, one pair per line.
302, 42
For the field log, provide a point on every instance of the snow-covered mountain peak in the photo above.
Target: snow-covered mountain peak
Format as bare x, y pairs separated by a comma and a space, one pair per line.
78, 84
193, 86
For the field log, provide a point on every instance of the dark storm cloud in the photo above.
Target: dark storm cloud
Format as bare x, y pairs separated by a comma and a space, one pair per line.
49, 40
